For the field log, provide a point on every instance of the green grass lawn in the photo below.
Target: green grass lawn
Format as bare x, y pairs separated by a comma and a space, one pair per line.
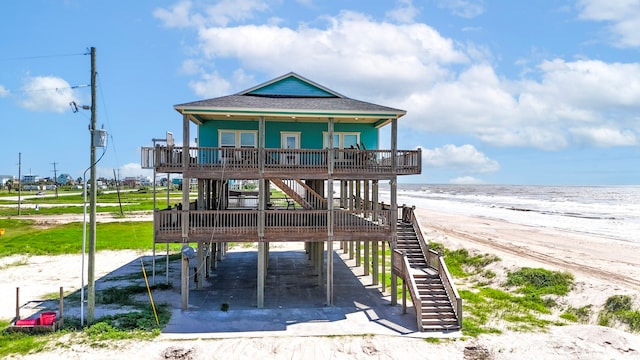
23, 237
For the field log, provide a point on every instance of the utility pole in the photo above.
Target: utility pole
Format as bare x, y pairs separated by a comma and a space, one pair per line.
55, 178
91, 291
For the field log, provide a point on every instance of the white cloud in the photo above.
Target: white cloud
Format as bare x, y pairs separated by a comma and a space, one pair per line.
189, 14
463, 8
3, 91
623, 17
179, 16
404, 13
466, 180
352, 53
47, 93
126, 170
461, 158
445, 86
533, 113
213, 85
605, 137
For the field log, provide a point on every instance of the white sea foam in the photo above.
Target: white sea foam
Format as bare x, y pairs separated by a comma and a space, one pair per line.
612, 211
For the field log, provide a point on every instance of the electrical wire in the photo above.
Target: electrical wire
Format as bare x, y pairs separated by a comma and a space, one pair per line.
41, 57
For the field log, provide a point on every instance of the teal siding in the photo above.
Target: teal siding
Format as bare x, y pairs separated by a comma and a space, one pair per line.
291, 86
310, 133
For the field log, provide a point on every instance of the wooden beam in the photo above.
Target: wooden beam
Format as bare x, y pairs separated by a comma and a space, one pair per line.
261, 274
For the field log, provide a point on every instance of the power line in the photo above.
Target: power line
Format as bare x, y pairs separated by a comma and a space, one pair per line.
48, 89
40, 57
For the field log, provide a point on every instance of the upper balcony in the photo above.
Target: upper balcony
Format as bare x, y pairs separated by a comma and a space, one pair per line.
254, 163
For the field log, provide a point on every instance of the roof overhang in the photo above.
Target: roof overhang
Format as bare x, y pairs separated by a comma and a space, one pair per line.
200, 114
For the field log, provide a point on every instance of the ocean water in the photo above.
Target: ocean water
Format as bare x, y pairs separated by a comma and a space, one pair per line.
607, 211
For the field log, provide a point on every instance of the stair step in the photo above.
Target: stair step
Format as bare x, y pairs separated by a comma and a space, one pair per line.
444, 315
441, 322
427, 328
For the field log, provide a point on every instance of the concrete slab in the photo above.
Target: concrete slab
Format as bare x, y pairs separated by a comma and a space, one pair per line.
295, 300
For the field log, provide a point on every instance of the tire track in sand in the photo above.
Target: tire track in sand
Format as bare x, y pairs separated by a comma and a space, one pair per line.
609, 276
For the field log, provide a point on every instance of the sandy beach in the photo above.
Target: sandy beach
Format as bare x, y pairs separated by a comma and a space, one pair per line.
602, 267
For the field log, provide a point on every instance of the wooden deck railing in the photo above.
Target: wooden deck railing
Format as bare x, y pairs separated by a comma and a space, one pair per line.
169, 222
170, 159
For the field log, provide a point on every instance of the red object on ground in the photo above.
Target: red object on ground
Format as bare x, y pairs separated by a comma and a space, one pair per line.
47, 318
28, 322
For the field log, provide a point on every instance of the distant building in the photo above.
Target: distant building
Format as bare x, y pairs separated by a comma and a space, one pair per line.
65, 179
131, 182
4, 179
30, 179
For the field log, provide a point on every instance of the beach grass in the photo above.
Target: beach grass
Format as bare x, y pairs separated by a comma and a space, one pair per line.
521, 303
619, 308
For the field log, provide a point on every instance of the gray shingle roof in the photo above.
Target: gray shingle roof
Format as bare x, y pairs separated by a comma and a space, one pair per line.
290, 93
313, 104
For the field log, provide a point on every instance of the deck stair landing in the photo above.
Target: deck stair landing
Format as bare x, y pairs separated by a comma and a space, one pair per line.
437, 309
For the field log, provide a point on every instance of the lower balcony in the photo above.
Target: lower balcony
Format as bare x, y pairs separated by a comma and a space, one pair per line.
279, 225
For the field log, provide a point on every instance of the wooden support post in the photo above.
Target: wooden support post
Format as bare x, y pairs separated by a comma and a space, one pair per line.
261, 272
404, 297
351, 249
367, 258
384, 267
320, 262
358, 251
184, 286
375, 274
167, 265
61, 308
199, 273
207, 260
330, 271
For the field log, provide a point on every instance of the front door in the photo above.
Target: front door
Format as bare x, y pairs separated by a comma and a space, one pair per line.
290, 141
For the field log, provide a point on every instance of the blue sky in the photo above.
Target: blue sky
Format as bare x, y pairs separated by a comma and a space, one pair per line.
506, 92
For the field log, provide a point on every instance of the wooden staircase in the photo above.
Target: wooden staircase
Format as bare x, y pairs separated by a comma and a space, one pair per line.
314, 201
436, 308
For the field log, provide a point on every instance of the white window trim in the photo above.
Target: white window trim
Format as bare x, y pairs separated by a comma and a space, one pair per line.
341, 134
237, 137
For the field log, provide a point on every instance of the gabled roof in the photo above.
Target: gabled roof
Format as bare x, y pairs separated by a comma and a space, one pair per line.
292, 85
286, 97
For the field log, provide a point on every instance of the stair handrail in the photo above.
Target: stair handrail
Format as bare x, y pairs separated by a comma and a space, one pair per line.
434, 258
451, 290
407, 276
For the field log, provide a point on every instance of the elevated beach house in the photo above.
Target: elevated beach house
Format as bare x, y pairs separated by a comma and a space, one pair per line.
291, 160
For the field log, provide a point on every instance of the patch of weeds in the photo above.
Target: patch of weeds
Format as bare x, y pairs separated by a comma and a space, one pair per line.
537, 281
20, 343
432, 340
20, 262
620, 308
485, 305
124, 295
569, 317
461, 264
133, 325
580, 314
488, 274
477, 312
618, 303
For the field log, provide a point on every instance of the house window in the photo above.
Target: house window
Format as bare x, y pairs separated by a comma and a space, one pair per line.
237, 138
342, 140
